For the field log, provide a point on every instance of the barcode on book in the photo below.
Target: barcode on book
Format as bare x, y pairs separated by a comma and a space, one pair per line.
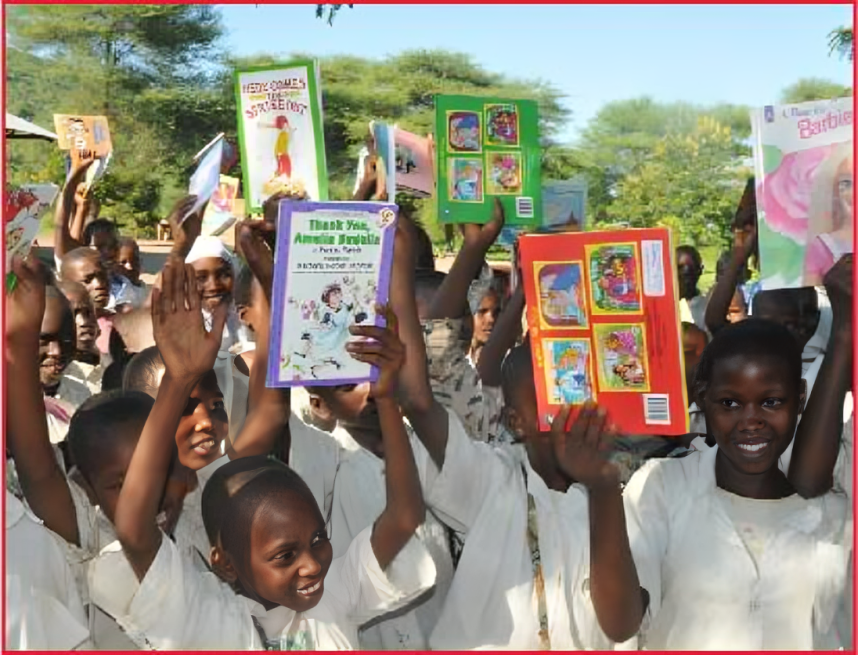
656, 409
524, 207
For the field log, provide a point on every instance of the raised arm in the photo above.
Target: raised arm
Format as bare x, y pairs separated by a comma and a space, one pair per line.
817, 440
184, 232
189, 352
451, 301
618, 599
42, 480
428, 418
69, 204
504, 335
405, 510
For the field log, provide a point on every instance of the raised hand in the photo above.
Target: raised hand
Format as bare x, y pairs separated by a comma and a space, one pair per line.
188, 350
257, 246
186, 231
25, 306
838, 284
580, 452
382, 349
483, 236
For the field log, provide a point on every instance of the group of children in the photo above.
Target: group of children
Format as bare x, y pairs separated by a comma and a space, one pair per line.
160, 496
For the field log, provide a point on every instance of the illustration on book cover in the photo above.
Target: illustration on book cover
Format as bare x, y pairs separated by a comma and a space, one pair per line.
463, 131
502, 126
561, 295
621, 357
614, 278
567, 371
466, 180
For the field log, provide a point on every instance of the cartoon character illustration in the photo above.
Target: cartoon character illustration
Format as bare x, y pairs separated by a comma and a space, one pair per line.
505, 176
223, 198
282, 146
613, 271
466, 181
405, 160
622, 366
502, 125
561, 296
568, 379
324, 343
464, 131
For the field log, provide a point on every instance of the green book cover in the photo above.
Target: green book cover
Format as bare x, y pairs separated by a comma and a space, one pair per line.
280, 131
488, 148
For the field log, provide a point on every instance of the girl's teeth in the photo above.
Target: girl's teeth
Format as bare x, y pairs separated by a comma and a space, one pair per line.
307, 592
752, 448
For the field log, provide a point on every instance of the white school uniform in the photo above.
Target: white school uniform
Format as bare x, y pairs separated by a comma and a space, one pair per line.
710, 587
359, 499
177, 606
43, 607
482, 492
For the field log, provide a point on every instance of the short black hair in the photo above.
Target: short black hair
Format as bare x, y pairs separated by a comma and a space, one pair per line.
516, 368
99, 225
751, 338
691, 327
128, 241
143, 372
692, 252
77, 255
103, 421
236, 490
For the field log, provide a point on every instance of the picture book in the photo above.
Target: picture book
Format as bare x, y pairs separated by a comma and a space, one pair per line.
415, 173
603, 320
221, 213
487, 148
385, 149
85, 133
22, 209
563, 203
280, 131
803, 166
331, 266
229, 156
205, 180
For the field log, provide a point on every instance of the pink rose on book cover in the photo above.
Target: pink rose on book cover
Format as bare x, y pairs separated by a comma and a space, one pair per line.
786, 192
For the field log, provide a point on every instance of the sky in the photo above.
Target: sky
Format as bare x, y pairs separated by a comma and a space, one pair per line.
593, 54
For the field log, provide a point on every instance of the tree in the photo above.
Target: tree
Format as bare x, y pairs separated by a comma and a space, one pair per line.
689, 182
813, 88
841, 42
329, 10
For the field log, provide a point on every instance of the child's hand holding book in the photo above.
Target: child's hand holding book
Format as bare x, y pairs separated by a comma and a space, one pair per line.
382, 348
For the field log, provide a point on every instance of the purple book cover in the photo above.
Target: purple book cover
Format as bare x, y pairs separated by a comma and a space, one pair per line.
331, 266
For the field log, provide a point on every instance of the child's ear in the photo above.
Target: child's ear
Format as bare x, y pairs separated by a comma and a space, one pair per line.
222, 565
321, 410
802, 396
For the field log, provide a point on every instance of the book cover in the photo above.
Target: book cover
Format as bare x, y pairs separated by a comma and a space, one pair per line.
205, 180
280, 131
22, 209
487, 148
563, 203
603, 319
385, 149
77, 133
221, 212
803, 166
415, 173
331, 266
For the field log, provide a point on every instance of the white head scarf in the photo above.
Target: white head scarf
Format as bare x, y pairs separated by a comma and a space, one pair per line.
212, 247
480, 287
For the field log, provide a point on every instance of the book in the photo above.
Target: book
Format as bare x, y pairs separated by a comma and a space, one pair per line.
383, 137
229, 157
332, 265
405, 161
487, 148
602, 314
280, 131
22, 208
221, 212
80, 133
205, 180
803, 167
561, 201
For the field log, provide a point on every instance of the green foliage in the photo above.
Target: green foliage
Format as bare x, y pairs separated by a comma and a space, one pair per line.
812, 88
841, 41
329, 12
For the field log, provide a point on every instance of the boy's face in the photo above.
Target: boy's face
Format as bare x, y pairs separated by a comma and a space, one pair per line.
91, 274
254, 314
289, 554
484, 319
56, 341
105, 242
752, 408
214, 281
107, 484
353, 408
689, 274
129, 263
204, 425
693, 344
85, 321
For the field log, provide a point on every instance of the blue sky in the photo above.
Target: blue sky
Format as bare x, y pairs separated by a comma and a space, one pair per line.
743, 54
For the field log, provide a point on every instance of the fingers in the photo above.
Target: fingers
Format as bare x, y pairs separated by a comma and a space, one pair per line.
191, 292
218, 322
178, 288
156, 307
595, 428
560, 421
166, 293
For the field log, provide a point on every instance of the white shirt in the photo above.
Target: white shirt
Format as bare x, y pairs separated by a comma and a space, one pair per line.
481, 492
178, 606
43, 608
694, 311
359, 499
706, 593
80, 381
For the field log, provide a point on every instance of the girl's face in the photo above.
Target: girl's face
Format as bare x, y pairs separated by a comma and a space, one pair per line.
334, 299
214, 281
289, 554
204, 425
487, 314
843, 194
752, 408
129, 263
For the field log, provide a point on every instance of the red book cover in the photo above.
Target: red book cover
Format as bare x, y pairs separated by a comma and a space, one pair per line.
604, 324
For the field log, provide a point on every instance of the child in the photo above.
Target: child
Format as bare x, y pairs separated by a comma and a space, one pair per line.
694, 341
83, 265
523, 580
278, 586
82, 378
775, 563
43, 608
692, 302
